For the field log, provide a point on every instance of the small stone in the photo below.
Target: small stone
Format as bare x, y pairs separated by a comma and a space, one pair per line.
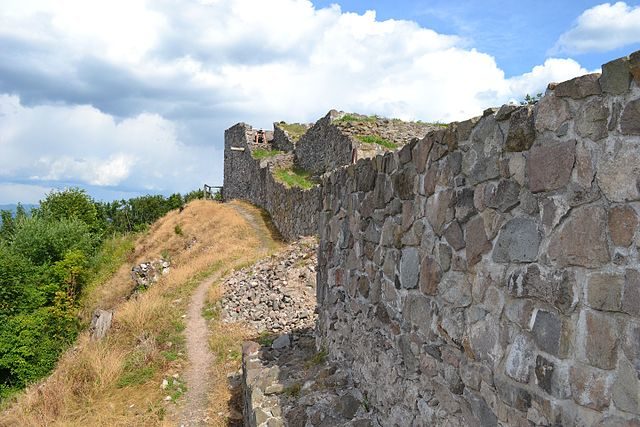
604, 291
520, 359
454, 236
164, 384
549, 166
547, 331
503, 196
623, 223
579, 87
551, 378
476, 240
631, 293
521, 130
581, 240
439, 210
589, 387
283, 341
626, 388
505, 112
598, 341
551, 112
616, 76
592, 120
409, 268
618, 172
518, 241
465, 208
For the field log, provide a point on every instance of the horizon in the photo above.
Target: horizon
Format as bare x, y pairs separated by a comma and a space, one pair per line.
132, 98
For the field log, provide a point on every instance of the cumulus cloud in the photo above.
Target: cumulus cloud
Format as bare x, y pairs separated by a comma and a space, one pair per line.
80, 145
135, 95
602, 28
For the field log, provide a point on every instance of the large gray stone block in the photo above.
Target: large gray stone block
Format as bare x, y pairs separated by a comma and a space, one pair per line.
518, 241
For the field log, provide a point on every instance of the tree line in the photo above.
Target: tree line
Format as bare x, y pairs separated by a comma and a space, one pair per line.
47, 257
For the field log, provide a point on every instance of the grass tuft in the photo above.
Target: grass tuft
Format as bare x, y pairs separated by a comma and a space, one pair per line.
295, 130
356, 118
294, 178
263, 153
374, 139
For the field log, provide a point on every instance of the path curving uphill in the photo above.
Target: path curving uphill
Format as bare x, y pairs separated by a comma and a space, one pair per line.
198, 381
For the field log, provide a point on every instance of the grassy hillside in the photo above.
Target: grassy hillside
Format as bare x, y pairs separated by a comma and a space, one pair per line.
117, 381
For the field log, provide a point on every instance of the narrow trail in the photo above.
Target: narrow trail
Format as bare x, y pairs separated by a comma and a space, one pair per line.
198, 380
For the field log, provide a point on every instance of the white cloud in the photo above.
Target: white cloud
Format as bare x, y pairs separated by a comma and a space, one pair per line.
602, 28
135, 95
80, 145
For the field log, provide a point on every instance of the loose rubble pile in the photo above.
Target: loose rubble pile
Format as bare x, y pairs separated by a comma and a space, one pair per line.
147, 273
290, 383
276, 294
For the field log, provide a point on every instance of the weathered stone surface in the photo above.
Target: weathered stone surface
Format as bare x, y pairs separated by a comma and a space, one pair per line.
409, 268
579, 87
623, 223
518, 241
547, 331
631, 293
592, 120
631, 344
504, 196
551, 112
618, 172
616, 421
454, 236
626, 388
604, 291
630, 119
520, 359
476, 240
616, 76
484, 340
554, 287
505, 111
100, 323
634, 65
549, 166
598, 339
465, 208
430, 275
480, 409
521, 130
439, 210
552, 378
417, 311
590, 388
581, 240
455, 289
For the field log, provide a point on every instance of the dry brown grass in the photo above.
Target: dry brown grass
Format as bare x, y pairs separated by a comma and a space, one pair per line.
116, 381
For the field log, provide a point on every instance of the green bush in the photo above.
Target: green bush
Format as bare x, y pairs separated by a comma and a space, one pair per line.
45, 241
71, 203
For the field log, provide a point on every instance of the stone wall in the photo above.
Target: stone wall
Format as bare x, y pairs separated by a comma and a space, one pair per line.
488, 274
323, 147
293, 211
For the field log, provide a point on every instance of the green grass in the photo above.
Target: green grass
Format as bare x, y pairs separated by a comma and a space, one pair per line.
263, 153
294, 178
374, 139
295, 130
265, 339
357, 118
293, 390
318, 358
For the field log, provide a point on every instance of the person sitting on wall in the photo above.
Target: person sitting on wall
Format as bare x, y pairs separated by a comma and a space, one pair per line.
260, 137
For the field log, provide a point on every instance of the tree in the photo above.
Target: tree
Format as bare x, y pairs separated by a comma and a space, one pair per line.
70, 203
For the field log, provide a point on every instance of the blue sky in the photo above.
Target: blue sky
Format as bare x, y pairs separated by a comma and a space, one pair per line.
519, 34
129, 97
